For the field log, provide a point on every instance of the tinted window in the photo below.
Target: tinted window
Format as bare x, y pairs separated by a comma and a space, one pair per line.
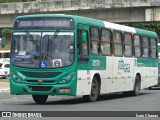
153, 48
117, 40
94, 41
145, 47
137, 46
106, 42
6, 65
128, 45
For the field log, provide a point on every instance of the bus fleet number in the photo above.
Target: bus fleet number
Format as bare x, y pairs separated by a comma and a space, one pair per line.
95, 63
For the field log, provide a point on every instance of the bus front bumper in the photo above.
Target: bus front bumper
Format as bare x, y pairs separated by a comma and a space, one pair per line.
30, 89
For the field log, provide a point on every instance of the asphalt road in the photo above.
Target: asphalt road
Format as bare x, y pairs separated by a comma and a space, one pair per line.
148, 100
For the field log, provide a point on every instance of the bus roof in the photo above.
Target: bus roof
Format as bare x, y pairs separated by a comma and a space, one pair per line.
44, 15
146, 33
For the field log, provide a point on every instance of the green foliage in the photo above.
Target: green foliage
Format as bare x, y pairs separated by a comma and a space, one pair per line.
155, 27
3, 42
10, 1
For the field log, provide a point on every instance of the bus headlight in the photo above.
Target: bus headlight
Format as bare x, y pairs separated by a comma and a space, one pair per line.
64, 81
16, 78
68, 78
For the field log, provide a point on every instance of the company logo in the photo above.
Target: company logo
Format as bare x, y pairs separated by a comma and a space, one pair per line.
6, 114
40, 81
123, 66
20, 114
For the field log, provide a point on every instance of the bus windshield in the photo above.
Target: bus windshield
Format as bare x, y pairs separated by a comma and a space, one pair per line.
54, 49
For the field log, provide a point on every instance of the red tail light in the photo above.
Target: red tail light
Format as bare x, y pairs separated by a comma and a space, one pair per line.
1, 64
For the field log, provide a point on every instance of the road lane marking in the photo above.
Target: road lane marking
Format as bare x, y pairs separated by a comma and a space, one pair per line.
150, 99
14, 98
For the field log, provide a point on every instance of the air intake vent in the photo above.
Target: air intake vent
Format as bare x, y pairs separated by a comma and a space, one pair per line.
44, 81
41, 74
40, 88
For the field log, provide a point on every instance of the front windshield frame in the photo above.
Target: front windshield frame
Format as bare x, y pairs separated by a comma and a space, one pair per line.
59, 63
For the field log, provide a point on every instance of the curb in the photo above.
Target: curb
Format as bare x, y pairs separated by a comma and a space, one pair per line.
5, 90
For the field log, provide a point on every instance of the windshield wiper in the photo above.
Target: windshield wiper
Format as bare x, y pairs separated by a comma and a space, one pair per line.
31, 36
28, 34
54, 37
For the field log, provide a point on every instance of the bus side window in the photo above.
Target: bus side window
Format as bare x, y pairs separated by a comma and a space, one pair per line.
83, 42
106, 42
94, 41
83, 49
137, 46
145, 47
117, 40
128, 45
153, 48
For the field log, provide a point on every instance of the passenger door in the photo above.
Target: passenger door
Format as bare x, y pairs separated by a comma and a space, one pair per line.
83, 80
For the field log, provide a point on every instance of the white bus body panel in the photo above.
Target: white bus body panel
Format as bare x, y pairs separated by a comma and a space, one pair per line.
119, 76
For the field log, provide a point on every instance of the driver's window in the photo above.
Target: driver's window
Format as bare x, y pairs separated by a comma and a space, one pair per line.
83, 47
83, 42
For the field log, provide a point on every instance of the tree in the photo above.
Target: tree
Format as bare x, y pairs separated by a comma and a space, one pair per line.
10, 1
153, 26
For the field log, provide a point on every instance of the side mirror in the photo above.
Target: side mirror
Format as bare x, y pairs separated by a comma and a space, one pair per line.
3, 42
84, 37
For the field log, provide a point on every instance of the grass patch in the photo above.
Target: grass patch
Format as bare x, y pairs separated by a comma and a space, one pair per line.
4, 80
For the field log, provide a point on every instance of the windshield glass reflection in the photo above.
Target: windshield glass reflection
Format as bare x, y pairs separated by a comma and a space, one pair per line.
43, 50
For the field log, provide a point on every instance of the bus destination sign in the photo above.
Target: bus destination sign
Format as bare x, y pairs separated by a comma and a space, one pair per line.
44, 23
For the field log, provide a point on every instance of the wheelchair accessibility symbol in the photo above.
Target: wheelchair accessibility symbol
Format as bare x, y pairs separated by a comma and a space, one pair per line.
43, 64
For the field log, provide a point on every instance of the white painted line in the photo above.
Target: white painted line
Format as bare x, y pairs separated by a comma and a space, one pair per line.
150, 99
14, 98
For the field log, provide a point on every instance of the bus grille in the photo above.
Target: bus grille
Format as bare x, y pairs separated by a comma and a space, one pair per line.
40, 88
41, 74
44, 81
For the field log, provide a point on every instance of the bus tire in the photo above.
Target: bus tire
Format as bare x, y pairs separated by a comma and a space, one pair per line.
137, 85
40, 99
94, 92
127, 93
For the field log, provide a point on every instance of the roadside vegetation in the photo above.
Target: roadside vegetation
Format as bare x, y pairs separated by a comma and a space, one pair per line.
10, 1
152, 26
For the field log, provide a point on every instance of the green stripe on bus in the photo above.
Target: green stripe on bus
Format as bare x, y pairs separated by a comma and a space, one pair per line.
146, 33
147, 62
95, 63
98, 63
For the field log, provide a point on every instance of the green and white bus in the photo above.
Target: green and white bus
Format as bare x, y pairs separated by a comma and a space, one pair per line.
57, 54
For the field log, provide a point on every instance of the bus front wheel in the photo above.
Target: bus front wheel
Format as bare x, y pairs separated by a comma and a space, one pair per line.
40, 99
94, 92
